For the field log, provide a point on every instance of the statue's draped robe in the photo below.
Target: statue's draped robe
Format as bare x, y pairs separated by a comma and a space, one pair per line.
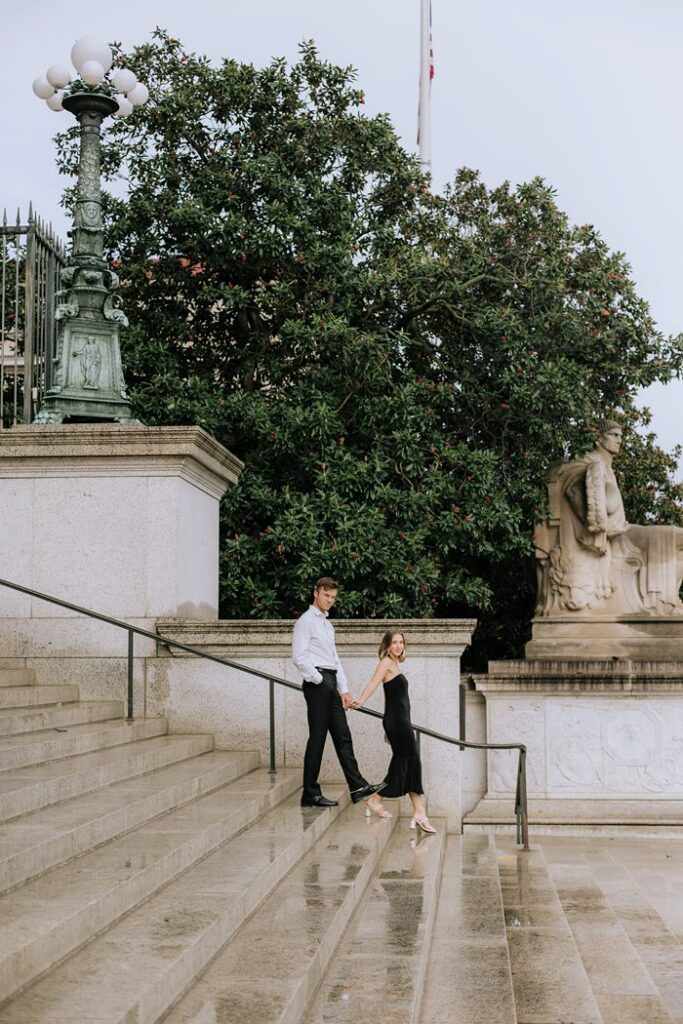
598, 557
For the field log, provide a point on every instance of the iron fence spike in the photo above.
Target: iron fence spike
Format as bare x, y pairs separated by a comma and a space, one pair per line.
30, 212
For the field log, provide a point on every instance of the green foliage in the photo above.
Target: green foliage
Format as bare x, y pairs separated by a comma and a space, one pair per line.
397, 369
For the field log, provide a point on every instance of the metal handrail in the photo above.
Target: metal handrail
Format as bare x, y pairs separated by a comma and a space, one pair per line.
521, 803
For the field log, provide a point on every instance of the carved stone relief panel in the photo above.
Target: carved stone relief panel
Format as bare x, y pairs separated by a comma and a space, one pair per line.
88, 362
617, 748
515, 721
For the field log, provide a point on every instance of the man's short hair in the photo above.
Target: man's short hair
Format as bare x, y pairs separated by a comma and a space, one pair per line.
326, 583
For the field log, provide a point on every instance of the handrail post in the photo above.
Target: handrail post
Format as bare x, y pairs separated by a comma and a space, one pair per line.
525, 806
131, 648
271, 711
463, 714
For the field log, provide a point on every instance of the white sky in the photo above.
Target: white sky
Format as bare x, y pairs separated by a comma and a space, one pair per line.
587, 97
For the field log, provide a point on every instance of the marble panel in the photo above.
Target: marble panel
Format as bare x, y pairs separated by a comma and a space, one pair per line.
619, 747
16, 546
76, 557
520, 720
202, 696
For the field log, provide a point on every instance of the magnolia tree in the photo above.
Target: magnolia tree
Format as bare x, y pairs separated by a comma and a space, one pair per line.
398, 369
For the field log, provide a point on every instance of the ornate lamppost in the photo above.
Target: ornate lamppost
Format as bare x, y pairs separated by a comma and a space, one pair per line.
84, 376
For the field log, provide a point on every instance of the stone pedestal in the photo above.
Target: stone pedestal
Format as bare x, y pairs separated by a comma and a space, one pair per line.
604, 739
120, 519
200, 696
573, 637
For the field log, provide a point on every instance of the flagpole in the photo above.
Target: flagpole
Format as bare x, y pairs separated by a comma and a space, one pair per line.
424, 117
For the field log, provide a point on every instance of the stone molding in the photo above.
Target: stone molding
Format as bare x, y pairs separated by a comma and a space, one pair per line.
588, 637
77, 450
251, 638
597, 677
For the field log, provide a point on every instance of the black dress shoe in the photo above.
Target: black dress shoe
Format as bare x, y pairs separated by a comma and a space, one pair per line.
319, 801
366, 791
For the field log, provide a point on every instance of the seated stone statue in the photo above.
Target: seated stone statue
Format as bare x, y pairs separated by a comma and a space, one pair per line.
589, 558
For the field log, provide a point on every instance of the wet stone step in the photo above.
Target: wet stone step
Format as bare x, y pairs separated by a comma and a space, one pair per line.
549, 978
270, 971
23, 790
51, 745
49, 917
379, 970
623, 989
17, 677
14, 721
469, 980
143, 964
29, 696
33, 843
634, 885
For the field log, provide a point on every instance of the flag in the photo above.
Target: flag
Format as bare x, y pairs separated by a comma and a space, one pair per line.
427, 73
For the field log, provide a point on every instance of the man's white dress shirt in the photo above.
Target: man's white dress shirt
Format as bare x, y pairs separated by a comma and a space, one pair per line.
313, 647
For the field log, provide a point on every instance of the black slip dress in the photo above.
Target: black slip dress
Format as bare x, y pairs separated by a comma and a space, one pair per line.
405, 771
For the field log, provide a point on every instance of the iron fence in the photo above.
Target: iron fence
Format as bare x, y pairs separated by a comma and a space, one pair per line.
31, 258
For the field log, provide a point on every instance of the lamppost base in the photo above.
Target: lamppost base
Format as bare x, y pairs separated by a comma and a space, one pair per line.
86, 379
74, 411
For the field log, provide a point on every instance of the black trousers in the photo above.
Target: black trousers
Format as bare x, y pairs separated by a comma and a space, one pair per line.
326, 714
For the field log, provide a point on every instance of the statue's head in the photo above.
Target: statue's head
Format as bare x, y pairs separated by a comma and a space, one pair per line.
610, 434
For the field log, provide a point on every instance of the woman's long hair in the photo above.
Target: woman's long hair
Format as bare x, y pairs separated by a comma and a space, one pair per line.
387, 641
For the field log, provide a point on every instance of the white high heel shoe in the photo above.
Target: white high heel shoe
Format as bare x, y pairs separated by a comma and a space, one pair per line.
422, 822
380, 812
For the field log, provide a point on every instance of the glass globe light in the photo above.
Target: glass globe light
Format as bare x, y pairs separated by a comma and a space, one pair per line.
90, 48
123, 80
92, 72
42, 87
59, 76
138, 95
54, 102
125, 108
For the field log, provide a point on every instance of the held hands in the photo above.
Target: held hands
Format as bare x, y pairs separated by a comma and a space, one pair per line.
350, 702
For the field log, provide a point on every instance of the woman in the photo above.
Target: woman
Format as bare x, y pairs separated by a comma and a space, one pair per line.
405, 771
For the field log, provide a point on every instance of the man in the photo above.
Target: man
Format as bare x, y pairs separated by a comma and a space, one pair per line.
327, 697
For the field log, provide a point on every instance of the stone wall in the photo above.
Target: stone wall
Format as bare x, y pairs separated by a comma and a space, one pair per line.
598, 731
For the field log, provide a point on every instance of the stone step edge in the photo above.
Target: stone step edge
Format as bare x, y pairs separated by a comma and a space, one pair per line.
431, 896
17, 677
46, 695
581, 829
19, 868
95, 736
662, 1015
149, 1011
58, 715
428, 937
47, 792
28, 963
182, 973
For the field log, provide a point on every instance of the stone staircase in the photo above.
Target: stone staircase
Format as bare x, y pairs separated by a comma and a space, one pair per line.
147, 877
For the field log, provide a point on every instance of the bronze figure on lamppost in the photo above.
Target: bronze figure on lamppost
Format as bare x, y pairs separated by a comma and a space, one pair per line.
84, 375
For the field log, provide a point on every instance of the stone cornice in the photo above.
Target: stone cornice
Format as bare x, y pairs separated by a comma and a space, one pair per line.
611, 676
113, 449
605, 669
252, 637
